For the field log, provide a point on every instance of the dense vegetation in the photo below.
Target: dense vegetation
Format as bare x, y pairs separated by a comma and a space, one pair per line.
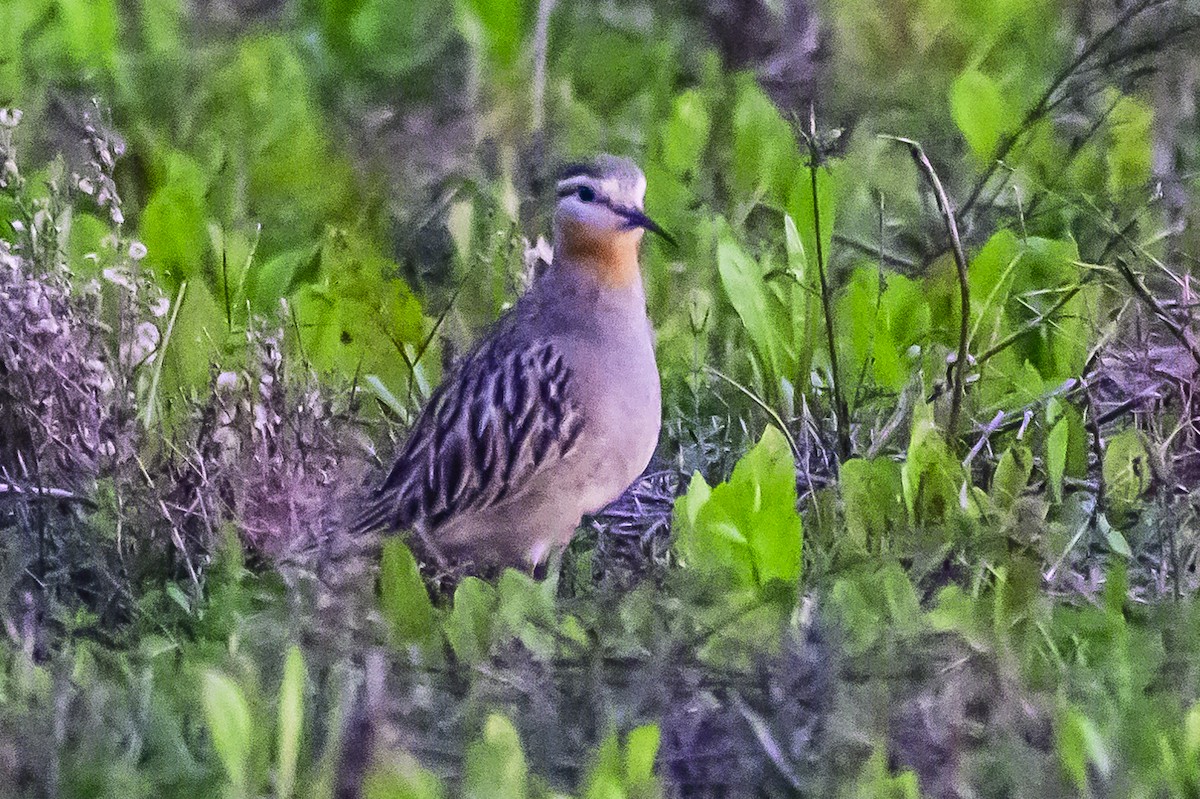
923, 520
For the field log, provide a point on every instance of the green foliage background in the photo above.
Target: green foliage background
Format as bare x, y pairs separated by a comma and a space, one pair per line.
366, 174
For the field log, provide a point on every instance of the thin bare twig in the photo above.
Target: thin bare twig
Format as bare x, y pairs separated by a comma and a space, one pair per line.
1143, 294
757, 400
1028, 327
541, 38
841, 411
1093, 426
959, 382
46, 493
768, 742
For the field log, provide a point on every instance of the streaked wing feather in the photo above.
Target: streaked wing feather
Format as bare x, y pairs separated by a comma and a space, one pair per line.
502, 416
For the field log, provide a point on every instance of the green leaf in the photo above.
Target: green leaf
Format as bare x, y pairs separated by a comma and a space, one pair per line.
1056, 458
90, 32
955, 611
931, 476
495, 27
179, 597
980, 112
394, 38
495, 764
1079, 745
469, 625
804, 210
872, 498
400, 777
174, 222
641, 750
527, 612
291, 722
685, 133
227, 715
1012, 475
1117, 543
404, 598
161, 22
880, 323
625, 772
1126, 472
748, 529
765, 154
768, 321
1130, 139
279, 275
193, 345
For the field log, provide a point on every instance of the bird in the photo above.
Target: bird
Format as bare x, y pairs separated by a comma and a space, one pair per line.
556, 411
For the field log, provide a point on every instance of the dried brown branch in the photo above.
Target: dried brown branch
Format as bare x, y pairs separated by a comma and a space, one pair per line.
841, 410
958, 384
1151, 302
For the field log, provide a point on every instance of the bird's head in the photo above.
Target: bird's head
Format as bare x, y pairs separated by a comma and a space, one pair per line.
600, 217
604, 196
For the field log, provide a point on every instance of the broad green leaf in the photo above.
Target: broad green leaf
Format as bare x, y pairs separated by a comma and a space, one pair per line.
495, 27
1012, 475
469, 625
804, 211
191, 345
765, 154
749, 530
1126, 471
695, 498
872, 498
990, 276
291, 722
685, 133
880, 323
227, 715
625, 771
641, 750
278, 276
931, 476
1059, 348
979, 111
955, 611
161, 22
393, 38
1080, 745
1130, 140
495, 764
85, 239
174, 222
1056, 458
798, 259
90, 29
526, 611
401, 777
860, 619
1117, 543
404, 599
766, 319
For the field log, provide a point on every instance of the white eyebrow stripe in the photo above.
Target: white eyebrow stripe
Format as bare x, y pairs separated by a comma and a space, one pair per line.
574, 183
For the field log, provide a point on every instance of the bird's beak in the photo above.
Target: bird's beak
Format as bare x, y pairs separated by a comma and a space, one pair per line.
636, 218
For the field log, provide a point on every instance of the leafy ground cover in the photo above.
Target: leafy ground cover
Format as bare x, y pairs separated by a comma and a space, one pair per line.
922, 520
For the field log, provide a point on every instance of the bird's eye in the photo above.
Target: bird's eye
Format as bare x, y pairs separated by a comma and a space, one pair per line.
586, 194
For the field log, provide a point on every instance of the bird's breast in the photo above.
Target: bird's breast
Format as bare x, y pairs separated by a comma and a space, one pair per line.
619, 389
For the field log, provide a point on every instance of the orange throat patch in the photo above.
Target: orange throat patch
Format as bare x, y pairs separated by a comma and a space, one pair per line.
612, 257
